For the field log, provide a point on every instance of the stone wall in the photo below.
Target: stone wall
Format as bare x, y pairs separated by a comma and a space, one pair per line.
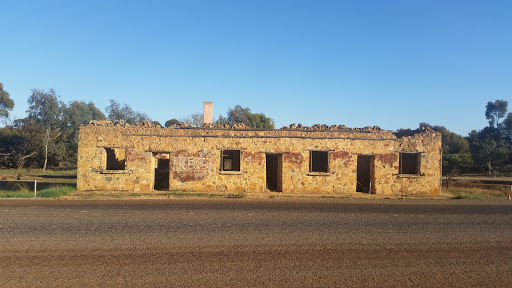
196, 163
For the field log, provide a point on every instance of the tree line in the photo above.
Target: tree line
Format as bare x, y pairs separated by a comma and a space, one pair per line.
48, 136
486, 151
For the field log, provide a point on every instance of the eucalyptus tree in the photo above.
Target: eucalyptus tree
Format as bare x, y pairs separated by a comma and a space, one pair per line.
491, 147
6, 103
116, 111
241, 115
77, 113
195, 120
494, 111
46, 109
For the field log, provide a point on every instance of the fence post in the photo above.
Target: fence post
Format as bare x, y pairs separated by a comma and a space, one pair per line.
35, 188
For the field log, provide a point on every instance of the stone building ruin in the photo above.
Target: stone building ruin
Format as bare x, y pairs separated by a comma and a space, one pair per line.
296, 159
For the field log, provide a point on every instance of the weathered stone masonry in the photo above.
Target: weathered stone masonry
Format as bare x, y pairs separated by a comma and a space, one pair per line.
292, 160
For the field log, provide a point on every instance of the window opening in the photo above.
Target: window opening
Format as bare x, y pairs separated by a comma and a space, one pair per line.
319, 161
116, 158
230, 160
410, 163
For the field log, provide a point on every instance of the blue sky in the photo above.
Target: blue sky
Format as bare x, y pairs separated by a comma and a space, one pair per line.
392, 64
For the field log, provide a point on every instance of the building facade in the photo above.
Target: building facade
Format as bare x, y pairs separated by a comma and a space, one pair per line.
293, 159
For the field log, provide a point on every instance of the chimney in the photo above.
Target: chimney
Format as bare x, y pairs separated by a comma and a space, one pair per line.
207, 112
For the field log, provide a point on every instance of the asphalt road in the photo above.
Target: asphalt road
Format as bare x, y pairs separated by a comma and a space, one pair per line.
247, 243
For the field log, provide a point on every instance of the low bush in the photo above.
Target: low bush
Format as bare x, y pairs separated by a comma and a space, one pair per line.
56, 192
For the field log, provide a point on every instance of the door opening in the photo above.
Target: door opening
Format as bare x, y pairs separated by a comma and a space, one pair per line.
161, 172
365, 177
274, 172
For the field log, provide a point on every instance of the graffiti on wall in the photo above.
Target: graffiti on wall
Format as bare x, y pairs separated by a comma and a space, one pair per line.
193, 167
191, 164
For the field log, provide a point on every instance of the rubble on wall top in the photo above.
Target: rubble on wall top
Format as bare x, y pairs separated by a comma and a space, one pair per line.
409, 132
316, 127
333, 128
121, 123
240, 126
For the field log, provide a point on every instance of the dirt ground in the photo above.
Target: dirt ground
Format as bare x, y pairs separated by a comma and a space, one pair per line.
206, 242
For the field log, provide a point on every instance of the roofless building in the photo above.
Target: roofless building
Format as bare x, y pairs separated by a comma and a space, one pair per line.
220, 159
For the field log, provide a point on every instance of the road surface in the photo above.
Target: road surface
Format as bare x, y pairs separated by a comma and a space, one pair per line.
263, 243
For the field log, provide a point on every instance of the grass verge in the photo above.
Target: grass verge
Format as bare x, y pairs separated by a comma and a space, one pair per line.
240, 194
468, 197
52, 192
473, 193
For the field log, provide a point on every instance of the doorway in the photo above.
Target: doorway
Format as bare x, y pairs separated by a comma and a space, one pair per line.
365, 174
161, 172
274, 172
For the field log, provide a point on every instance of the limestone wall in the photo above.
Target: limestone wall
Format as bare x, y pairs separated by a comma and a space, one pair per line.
194, 159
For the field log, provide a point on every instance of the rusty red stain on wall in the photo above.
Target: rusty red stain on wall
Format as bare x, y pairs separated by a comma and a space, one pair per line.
387, 159
188, 176
294, 158
182, 153
343, 156
132, 155
253, 157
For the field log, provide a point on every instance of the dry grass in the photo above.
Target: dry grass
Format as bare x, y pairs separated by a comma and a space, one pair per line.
52, 192
472, 193
475, 178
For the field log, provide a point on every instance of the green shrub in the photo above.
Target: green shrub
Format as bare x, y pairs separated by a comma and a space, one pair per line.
55, 192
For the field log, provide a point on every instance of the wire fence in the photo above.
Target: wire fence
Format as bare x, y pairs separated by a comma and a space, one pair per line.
16, 185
